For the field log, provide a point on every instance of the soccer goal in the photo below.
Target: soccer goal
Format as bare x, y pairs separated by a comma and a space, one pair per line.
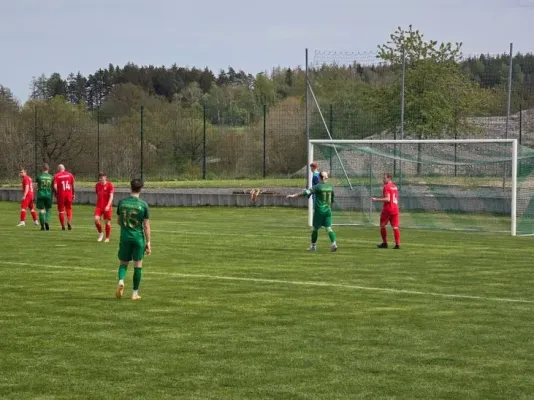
469, 185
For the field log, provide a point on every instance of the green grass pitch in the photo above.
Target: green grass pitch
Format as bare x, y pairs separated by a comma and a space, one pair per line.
234, 307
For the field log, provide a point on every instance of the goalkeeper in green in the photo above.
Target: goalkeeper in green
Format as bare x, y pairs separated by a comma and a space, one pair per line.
322, 209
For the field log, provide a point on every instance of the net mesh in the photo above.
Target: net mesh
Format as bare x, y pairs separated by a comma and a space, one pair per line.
458, 186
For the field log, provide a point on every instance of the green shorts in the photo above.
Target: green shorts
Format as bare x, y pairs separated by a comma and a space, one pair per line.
322, 219
44, 203
131, 250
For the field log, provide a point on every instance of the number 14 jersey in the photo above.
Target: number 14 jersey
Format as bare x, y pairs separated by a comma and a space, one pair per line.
391, 207
65, 184
132, 211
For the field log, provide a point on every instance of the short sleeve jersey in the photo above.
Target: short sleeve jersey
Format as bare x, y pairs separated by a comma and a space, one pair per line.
391, 207
27, 181
323, 197
44, 185
132, 211
65, 184
103, 193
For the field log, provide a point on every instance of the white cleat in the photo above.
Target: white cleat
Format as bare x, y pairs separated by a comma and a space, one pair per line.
312, 248
107, 240
22, 223
36, 222
101, 236
333, 247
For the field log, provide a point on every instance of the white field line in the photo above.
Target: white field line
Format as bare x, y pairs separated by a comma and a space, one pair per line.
291, 282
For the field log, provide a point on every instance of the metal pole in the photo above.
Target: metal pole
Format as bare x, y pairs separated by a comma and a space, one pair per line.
142, 143
307, 102
508, 106
520, 123
35, 141
403, 100
98, 140
331, 133
264, 140
204, 143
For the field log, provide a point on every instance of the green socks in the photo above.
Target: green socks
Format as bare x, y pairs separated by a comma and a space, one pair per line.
47, 216
122, 272
315, 234
332, 236
41, 219
138, 272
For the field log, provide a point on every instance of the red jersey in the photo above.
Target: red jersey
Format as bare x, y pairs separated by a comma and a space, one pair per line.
103, 193
27, 181
65, 184
391, 207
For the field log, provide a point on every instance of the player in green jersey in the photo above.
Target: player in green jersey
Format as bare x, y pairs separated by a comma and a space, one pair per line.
44, 196
322, 209
133, 218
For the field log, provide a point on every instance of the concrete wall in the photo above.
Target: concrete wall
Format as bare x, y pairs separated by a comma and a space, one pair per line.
454, 201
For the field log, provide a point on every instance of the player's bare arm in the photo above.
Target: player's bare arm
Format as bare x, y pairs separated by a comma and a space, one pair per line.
385, 199
146, 228
110, 202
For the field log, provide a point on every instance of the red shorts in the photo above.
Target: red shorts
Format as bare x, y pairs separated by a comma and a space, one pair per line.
27, 202
101, 212
64, 203
392, 219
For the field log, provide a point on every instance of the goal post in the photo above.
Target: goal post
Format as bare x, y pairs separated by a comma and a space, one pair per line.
457, 184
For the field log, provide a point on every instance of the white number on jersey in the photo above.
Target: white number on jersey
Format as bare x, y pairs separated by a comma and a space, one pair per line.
66, 185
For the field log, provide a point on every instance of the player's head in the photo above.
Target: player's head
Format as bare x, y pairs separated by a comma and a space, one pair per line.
102, 177
22, 172
60, 168
136, 185
323, 176
387, 178
314, 166
46, 167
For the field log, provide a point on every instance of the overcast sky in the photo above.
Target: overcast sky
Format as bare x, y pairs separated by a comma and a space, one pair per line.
46, 36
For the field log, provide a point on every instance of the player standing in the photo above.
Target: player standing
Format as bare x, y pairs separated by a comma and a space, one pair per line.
44, 196
27, 198
322, 209
390, 211
135, 237
104, 202
64, 189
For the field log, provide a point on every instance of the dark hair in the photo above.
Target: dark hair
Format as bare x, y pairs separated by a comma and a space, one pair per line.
46, 167
388, 175
136, 185
101, 174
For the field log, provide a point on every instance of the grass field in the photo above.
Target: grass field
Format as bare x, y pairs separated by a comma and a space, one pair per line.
234, 307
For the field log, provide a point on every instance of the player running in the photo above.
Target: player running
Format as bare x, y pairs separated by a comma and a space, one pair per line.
44, 196
27, 198
322, 209
135, 237
64, 190
390, 211
104, 201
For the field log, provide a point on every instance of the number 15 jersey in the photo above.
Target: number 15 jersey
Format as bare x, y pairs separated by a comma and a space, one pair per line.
132, 211
391, 207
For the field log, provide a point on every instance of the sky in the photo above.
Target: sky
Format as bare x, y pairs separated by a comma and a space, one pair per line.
43, 37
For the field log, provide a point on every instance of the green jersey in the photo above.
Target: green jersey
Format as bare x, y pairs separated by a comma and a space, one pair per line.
44, 185
132, 211
323, 195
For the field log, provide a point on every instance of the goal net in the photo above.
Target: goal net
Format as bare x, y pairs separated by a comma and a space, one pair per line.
469, 185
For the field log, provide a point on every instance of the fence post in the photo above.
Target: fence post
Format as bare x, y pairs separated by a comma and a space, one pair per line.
331, 127
520, 122
508, 106
264, 140
35, 141
142, 142
204, 142
307, 101
98, 167
403, 104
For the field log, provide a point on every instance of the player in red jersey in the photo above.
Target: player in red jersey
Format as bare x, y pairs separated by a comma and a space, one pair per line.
104, 201
27, 198
390, 212
64, 190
